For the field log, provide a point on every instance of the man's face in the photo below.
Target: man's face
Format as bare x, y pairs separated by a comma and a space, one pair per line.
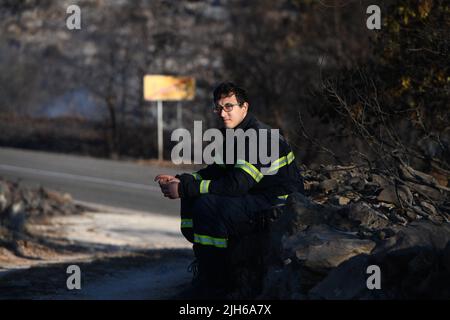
233, 118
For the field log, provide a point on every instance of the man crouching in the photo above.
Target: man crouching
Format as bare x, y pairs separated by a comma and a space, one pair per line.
222, 201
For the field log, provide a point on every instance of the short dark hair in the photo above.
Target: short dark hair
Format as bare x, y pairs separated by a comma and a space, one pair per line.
226, 89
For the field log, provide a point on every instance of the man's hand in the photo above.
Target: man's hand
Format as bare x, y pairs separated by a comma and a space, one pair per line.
163, 178
169, 185
170, 189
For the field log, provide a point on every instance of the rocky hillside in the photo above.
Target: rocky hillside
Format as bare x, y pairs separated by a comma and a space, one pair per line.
117, 39
95, 74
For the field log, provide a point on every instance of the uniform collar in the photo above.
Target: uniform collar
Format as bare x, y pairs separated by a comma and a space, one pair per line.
246, 122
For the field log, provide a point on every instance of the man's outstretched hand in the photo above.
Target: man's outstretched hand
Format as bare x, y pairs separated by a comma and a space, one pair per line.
163, 178
169, 185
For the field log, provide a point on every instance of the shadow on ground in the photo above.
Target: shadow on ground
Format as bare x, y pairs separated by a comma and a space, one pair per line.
150, 274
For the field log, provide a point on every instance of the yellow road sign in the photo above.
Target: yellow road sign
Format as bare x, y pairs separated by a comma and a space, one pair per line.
165, 88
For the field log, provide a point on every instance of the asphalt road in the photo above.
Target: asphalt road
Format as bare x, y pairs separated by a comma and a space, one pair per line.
113, 183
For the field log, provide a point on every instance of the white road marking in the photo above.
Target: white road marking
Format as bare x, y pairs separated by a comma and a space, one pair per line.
139, 186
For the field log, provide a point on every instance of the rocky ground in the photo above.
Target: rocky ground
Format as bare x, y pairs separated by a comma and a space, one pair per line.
320, 245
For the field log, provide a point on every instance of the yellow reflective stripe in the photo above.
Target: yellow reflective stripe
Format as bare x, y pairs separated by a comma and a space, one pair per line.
290, 157
250, 169
283, 197
277, 162
197, 176
278, 165
281, 162
210, 241
186, 223
204, 186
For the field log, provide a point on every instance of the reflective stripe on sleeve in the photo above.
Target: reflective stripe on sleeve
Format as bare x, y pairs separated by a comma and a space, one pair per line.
250, 169
204, 186
281, 162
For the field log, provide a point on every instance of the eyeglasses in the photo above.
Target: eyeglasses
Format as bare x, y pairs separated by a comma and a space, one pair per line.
228, 107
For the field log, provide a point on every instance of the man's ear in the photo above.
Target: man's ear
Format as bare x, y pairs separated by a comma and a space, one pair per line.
245, 104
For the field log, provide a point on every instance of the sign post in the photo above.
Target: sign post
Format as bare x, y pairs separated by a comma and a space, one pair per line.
179, 114
161, 88
160, 131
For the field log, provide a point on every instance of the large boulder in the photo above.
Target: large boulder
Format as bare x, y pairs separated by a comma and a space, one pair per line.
414, 264
367, 217
321, 247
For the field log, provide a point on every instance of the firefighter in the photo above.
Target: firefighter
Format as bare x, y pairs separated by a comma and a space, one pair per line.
221, 201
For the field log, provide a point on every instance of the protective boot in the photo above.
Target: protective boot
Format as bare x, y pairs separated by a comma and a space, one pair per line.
210, 271
212, 280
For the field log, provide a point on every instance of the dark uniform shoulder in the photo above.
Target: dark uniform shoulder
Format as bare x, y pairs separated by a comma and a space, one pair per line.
257, 124
253, 122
